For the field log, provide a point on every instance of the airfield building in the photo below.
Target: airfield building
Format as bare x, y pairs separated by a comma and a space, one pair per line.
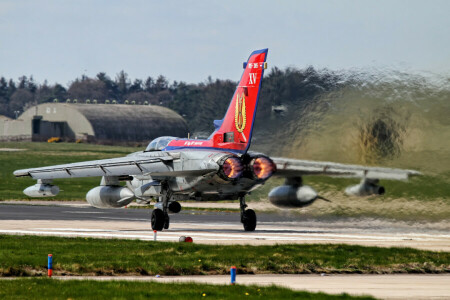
102, 123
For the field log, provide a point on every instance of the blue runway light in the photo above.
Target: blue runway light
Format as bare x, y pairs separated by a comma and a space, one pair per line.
233, 275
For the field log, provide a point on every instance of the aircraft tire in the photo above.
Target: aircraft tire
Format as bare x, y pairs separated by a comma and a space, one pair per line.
249, 220
157, 219
174, 207
166, 221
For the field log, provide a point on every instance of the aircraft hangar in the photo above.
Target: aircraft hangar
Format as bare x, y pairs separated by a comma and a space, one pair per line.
101, 123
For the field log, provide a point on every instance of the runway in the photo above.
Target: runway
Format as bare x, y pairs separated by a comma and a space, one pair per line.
401, 286
215, 227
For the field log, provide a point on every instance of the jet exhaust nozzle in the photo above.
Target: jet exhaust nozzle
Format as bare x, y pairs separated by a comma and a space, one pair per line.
262, 167
231, 168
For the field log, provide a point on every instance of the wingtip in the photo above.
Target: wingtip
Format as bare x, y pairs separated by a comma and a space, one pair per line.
414, 173
21, 173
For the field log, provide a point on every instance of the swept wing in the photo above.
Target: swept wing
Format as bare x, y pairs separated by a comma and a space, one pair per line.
151, 163
294, 167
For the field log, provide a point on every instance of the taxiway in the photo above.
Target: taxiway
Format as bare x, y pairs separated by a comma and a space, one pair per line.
215, 227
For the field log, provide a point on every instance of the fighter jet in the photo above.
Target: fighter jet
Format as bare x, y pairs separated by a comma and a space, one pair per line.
221, 167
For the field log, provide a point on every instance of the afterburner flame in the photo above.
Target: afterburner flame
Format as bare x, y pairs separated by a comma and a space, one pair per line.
232, 168
263, 167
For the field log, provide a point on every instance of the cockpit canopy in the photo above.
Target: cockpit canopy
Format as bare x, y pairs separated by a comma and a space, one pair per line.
159, 143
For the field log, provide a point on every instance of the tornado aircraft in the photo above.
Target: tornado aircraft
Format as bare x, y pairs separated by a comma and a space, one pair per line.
221, 167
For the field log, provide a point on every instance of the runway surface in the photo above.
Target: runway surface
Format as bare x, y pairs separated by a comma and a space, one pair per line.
215, 227
379, 286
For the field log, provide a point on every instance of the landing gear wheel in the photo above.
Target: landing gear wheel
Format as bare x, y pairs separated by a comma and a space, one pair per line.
157, 219
174, 207
166, 221
249, 220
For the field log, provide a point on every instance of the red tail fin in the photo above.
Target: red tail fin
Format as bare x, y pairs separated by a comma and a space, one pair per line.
234, 132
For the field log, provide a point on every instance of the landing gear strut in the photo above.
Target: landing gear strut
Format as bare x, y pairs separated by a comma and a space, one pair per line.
160, 218
248, 216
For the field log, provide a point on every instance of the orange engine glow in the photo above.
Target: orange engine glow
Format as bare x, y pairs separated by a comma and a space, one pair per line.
232, 168
263, 167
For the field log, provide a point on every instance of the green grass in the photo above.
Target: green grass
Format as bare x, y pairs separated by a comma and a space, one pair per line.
422, 199
42, 288
27, 256
423, 188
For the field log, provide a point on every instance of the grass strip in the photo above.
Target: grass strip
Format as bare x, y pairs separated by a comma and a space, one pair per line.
42, 288
45, 154
27, 256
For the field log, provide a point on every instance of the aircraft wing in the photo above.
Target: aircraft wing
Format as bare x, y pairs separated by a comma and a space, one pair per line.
153, 164
293, 167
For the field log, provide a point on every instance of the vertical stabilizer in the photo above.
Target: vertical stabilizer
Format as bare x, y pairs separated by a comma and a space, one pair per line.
234, 132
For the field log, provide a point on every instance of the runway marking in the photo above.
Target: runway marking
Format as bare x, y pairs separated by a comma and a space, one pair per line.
141, 237
82, 212
126, 219
167, 235
231, 224
82, 234
79, 229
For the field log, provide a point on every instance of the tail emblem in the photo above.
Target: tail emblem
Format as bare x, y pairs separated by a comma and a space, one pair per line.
240, 118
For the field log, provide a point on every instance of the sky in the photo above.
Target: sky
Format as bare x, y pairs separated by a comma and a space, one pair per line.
188, 41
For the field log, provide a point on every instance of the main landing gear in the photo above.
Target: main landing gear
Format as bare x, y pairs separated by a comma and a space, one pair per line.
248, 216
160, 215
158, 219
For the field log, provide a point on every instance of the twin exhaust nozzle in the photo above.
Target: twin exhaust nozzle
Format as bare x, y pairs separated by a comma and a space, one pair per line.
257, 168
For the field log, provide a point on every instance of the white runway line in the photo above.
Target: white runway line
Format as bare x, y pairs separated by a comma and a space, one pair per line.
124, 219
82, 212
80, 234
173, 235
148, 237
231, 224
79, 229
288, 235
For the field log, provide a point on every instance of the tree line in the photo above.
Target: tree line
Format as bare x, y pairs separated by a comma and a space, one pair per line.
198, 103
